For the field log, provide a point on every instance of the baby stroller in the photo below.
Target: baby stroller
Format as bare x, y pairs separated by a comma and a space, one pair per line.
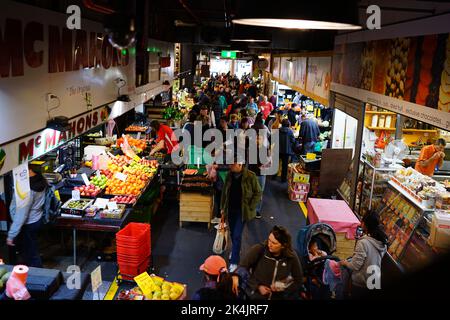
325, 237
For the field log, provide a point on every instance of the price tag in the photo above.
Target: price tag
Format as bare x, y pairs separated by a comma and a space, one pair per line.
145, 283
101, 203
120, 176
85, 179
76, 195
112, 205
138, 136
96, 278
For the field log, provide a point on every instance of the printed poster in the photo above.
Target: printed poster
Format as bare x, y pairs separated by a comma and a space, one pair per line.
21, 185
300, 72
319, 76
276, 67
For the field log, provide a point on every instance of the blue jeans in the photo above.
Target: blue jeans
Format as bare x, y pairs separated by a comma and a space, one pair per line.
236, 229
28, 244
262, 183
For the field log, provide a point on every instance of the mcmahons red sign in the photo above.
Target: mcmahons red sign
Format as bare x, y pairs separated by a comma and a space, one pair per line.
48, 139
67, 50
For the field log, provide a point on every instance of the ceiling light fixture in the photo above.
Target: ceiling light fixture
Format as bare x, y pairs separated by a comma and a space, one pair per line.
300, 15
297, 24
250, 40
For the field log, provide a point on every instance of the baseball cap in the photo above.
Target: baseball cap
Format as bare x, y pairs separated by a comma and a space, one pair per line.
213, 265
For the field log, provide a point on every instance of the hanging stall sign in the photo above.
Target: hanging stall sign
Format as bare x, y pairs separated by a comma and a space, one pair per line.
300, 72
21, 185
437, 118
319, 76
38, 144
276, 67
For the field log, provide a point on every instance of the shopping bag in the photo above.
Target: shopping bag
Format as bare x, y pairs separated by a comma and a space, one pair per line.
221, 241
16, 289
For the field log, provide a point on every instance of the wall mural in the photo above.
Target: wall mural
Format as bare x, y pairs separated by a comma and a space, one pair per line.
415, 69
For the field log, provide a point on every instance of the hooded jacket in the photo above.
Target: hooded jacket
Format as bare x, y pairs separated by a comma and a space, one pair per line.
34, 209
368, 252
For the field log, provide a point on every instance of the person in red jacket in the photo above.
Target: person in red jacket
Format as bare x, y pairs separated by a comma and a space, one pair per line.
165, 140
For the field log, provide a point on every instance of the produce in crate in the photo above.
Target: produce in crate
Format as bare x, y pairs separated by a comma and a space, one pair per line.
150, 163
89, 191
99, 181
140, 144
124, 199
136, 128
108, 173
132, 186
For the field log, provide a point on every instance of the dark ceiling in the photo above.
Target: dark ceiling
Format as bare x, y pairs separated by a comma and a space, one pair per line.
207, 23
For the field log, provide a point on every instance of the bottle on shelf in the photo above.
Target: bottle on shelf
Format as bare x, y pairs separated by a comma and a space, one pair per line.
388, 121
382, 121
374, 120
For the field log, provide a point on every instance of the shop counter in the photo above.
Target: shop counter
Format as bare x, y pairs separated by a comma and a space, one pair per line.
95, 224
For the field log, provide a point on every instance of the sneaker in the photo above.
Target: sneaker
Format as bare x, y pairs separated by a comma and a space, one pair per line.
215, 220
258, 215
233, 267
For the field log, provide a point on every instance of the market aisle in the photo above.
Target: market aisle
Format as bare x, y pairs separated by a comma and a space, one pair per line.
177, 253
277, 210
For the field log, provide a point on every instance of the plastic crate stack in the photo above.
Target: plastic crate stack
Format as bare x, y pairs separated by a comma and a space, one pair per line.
298, 183
133, 249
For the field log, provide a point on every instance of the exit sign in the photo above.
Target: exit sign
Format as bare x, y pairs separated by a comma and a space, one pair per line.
228, 54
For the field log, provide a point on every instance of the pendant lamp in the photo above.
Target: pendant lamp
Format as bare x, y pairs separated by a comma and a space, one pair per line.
299, 14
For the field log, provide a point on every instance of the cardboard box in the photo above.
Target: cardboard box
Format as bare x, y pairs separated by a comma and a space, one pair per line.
297, 196
440, 230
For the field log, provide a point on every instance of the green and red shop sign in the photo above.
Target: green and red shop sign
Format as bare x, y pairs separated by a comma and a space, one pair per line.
38, 144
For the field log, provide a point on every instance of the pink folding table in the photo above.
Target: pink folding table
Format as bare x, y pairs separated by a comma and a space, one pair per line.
336, 213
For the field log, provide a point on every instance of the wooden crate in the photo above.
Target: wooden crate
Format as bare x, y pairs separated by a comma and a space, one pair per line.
344, 247
195, 207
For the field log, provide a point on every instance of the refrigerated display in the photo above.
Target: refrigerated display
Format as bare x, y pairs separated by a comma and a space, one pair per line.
372, 185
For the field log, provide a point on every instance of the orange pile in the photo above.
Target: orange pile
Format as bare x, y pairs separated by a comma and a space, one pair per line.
132, 186
140, 144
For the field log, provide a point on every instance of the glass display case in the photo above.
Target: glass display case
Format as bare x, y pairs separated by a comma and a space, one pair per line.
407, 225
372, 184
345, 189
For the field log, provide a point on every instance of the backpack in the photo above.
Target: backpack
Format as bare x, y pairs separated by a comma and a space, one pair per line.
51, 206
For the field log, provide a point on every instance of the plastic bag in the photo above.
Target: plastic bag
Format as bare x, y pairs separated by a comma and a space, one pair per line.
221, 241
212, 172
16, 289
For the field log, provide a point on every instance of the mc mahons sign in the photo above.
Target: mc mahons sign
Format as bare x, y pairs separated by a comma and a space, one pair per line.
68, 50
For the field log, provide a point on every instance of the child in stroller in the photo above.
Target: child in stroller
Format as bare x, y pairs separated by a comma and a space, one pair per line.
316, 243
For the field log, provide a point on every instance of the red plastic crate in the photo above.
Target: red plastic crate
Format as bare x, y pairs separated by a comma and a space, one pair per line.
130, 260
133, 235
129, 270
143, 250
